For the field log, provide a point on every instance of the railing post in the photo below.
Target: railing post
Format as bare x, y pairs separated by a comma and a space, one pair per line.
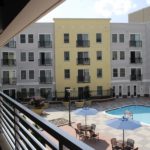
16, 128
0, 115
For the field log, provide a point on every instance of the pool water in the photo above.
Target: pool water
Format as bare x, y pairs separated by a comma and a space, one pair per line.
140, 113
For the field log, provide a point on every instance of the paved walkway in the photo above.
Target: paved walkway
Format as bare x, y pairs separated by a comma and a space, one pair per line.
140, 135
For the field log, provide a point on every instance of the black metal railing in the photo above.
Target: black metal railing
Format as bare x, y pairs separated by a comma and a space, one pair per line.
83, 79
135, 43
135, 60
9, 81
94, 94
11, 44
24, 129
83, 61
45, 80
136, 77
83, 43
9, 62
45, 62
45, 44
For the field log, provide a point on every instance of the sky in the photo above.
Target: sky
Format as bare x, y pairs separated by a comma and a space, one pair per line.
116, 10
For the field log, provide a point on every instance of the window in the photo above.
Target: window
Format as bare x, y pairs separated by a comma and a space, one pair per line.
46, 93
99, 73
23, 74
122, 72
24, 92
121, 38
30, 38
66, 55
66, 38
23, 56
31, 74
31, 92
114, 55
31, 56
134, 37
122, 55
98, 37
99, 55
114, 38
115, 72
67, 73
99, 90
22, 38
45, 41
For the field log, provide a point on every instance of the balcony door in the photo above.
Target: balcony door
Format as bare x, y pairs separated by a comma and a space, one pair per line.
80, 92
10, 92
45, 58
45, 75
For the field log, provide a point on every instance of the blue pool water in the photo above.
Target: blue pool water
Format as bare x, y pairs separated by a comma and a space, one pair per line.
140, 113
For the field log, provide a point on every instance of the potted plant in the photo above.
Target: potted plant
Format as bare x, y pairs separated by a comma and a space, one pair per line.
37, 105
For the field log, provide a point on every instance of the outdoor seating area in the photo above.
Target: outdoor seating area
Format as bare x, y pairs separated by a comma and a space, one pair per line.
86, 131
120, 145
86, 120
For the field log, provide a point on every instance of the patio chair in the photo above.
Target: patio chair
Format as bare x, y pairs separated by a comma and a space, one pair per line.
79, 134
114, 144
93, 126
79, 126
130, 144
94, 135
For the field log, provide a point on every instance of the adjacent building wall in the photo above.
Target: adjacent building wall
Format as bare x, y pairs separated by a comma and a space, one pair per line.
82, 26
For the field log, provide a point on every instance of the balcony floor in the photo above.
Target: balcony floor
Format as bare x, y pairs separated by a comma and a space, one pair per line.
3, 143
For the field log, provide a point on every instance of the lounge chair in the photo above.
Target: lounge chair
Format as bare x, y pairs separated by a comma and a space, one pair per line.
79, 134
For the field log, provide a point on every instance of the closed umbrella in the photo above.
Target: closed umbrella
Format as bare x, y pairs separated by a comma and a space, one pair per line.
123, 124
85, 111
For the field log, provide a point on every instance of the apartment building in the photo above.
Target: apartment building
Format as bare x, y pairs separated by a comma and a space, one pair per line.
27, 62
82, 50
129, 59
140, 16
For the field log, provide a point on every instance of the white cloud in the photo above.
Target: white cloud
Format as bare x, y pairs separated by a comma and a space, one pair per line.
148, 1
107, 8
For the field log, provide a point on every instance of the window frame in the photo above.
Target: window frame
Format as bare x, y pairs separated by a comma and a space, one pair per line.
67, 74
22, 39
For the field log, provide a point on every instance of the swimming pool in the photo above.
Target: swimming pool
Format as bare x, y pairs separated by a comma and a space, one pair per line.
140, 113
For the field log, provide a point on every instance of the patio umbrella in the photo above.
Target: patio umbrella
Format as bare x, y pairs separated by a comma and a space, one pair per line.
123, 124
85, 111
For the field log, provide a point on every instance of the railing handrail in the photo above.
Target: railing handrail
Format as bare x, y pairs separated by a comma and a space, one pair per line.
62, 137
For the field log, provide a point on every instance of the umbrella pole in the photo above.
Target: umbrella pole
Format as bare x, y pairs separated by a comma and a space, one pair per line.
85, 119
123, 140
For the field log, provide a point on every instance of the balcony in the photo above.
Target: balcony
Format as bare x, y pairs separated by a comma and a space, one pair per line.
45, 62
136, 60
83, 61
8, 62
11, 44
9, 81
136, 77
45, 44
45, 80
83, 79
82, 43
17, 124
135, 43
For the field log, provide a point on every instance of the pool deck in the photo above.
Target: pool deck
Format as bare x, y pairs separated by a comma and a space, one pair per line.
140, 135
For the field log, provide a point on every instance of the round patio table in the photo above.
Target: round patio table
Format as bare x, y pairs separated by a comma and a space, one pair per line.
85, 128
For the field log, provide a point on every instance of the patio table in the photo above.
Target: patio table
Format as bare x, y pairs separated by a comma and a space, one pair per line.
85, 128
